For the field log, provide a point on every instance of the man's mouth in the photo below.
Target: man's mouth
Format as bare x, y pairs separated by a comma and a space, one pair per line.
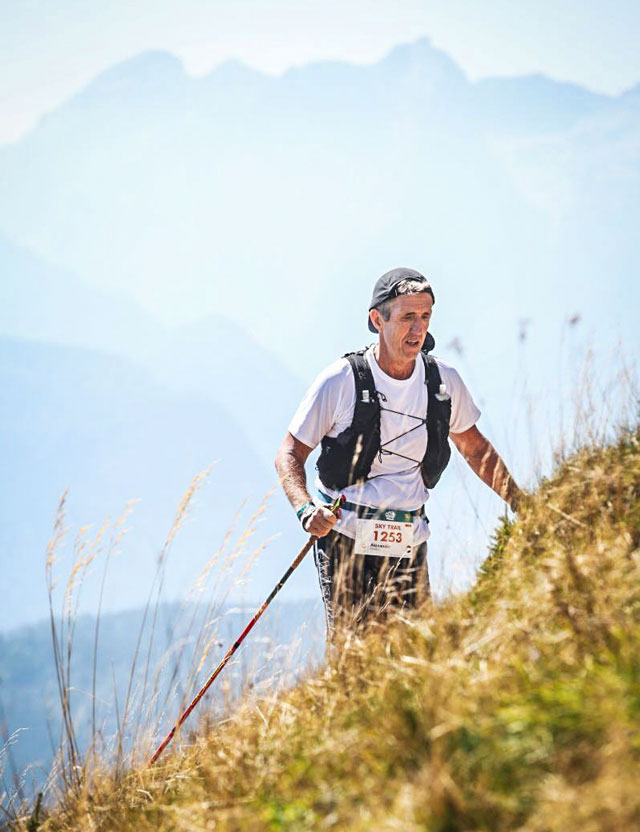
412, 343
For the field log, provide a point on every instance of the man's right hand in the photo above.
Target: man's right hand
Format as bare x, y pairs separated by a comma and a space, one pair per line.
321, 521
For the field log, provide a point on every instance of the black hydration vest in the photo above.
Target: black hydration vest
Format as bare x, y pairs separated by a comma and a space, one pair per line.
346, 459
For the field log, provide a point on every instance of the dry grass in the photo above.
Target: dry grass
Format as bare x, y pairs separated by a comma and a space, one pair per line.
158, 683
514, 707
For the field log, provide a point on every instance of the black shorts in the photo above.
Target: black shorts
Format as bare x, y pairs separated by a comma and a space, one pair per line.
359, 588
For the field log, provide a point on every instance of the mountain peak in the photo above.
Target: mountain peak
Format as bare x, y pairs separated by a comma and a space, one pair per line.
424, 58
631, 94
156, 68
234, 71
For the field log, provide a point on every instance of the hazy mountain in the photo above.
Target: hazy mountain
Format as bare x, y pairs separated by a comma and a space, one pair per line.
48, 303
533, 104
288, 637
96, 424
275, 201
212, 357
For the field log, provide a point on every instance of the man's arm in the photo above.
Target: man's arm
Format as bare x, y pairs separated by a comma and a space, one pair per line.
483, 458
289, 462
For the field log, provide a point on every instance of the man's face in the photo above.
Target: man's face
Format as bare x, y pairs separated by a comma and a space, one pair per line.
404, 333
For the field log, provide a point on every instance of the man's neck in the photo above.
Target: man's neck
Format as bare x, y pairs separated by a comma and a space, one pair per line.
400, 370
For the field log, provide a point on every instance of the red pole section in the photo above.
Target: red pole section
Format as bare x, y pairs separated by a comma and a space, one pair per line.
299, 557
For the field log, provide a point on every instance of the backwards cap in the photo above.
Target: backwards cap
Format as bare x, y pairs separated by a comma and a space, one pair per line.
387, 287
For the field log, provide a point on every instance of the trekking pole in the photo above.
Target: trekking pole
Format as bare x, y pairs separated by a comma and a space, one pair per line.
298, 560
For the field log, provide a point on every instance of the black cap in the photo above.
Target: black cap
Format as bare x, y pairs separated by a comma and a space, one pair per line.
386, 288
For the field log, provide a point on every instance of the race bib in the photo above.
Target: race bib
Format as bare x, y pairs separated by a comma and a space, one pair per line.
384, 537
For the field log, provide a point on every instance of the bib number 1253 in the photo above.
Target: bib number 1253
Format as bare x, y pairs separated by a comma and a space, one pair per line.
383, 538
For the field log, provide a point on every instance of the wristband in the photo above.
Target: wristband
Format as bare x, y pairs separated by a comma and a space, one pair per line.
302, 510
305, 513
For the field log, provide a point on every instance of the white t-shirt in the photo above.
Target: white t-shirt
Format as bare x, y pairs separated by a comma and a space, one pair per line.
395, 480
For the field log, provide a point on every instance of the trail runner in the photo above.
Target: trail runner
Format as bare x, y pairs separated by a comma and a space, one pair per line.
382, 417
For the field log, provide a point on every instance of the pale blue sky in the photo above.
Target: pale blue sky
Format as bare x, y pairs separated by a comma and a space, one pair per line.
50, 50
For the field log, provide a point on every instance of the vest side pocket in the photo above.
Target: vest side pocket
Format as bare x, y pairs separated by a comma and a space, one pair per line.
438, 452
335, 460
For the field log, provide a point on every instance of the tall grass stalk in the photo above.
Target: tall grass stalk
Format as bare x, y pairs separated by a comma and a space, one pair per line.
157, 685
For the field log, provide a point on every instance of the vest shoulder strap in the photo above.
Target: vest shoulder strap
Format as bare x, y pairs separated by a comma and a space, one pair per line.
431, 374
365, 385
438, 451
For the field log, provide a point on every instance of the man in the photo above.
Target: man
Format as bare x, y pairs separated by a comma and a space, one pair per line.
382, 417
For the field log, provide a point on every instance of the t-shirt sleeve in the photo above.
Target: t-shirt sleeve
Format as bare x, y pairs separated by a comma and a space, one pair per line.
464, 411
324, 405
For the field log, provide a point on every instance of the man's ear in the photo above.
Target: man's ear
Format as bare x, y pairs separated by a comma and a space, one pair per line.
375, 317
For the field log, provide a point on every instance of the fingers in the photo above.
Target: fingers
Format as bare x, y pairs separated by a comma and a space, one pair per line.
320, 522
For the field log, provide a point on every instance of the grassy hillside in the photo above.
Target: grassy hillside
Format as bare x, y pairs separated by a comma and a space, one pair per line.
515, 707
